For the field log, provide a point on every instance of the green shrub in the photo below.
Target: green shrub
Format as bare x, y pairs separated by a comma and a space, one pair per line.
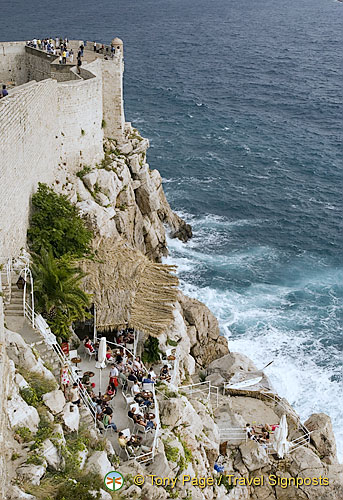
85, 170
45, 431
29, 396
171, 342
35, 459
38, 383
171, 452
152, 351
24, 433
57, 225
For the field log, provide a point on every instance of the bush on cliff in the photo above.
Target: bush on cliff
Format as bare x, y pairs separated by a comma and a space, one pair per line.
57, 291
57, 225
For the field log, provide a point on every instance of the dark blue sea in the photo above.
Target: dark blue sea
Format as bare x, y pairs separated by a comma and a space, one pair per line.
243, 104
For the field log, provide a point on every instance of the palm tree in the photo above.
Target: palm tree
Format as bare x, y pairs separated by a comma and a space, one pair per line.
57, 289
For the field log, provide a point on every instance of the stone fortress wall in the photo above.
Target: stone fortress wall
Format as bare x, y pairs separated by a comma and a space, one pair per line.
52, 117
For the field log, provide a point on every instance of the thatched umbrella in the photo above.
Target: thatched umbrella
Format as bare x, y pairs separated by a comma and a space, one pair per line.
128, 289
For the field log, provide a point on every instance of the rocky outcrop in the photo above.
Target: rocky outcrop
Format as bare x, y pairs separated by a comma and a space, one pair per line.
99, 463
322, 437
55, 401
203, 331
21, 354
122, 196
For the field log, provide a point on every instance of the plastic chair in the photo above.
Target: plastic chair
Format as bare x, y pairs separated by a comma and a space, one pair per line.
141, 428
128, 400
90, 353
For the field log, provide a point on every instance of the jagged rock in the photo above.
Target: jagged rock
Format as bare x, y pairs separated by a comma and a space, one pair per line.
179, 411
133, 493
209, 345
136, 185
32, 473
82, 457
71, 417
150, 492
20, 414
101, 217
216, 379
102, 199
22, 355
142, 147
322, 436
99, 463
109, 448
83, 193
58, 435
90, 179
134, 164
253, 455
146, 197
305, 463
125, 148
20, 381
232, 363
17, 494
109, 184
51, 454
55, 401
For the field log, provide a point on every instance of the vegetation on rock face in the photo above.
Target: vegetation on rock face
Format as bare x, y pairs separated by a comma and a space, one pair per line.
57, 225
38, 385
57, 291
152, 351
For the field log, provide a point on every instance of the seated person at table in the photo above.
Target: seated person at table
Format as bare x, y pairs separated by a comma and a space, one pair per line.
137, 363
111, 389
148, 379
132, 412
140, 375
140, 420
164, 373
109, 354
107, 421
114, 372
88, 344
135, 389
132, 377
122, 440
143, 400
150, 424
152, 373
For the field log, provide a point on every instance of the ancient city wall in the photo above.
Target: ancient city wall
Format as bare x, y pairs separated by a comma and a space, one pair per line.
13, 67
28, 154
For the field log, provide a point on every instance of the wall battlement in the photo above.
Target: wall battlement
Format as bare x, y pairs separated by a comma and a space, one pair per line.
52, 117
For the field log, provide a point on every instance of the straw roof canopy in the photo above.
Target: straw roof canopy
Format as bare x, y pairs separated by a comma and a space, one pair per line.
128, 289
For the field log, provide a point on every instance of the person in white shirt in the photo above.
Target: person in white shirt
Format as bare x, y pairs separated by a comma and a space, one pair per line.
135, 389
153, 375
114, 372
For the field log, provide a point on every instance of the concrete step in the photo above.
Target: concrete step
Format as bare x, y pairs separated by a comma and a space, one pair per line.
13, 313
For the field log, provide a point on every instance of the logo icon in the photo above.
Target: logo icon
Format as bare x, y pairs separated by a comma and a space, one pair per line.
113, 481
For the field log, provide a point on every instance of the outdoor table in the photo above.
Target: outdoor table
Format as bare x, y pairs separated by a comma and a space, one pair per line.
150, 416
76, 360
89, 374
106, 397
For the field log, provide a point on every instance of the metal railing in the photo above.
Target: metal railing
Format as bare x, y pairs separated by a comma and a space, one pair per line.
24, 273
233, 434
204, 389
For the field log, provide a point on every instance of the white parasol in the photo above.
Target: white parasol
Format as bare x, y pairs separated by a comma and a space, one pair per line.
280, 444
101, 363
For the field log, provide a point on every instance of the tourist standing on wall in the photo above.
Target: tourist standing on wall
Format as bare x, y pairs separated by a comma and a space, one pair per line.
64, 57
79, 63
94, 46
71, 55
4, 92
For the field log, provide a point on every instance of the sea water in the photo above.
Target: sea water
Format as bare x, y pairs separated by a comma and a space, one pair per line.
243, 104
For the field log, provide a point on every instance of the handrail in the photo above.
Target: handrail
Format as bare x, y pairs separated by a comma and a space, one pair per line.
27, 271
51, 340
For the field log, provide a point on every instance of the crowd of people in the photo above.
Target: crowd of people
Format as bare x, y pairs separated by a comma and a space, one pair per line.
57, 47
260, 433
128, 372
